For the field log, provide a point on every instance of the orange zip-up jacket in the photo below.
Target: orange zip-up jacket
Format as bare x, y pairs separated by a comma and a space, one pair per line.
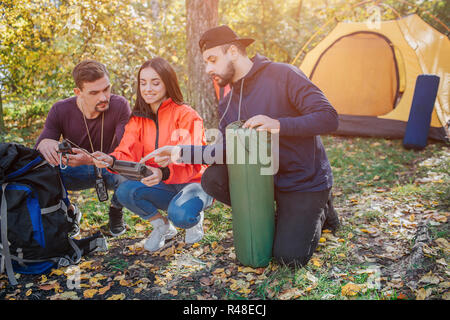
173, 124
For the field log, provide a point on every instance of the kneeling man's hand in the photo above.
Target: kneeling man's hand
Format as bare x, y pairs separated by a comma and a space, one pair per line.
262, 122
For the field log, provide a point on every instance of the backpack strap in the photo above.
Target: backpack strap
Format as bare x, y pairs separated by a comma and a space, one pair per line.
6, 255
58, 206
26, 168
75, 259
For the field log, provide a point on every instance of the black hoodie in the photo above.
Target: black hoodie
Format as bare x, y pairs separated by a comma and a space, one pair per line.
281, 91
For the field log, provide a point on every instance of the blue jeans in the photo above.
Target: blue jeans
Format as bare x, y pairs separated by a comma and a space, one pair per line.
83, 177
183, 202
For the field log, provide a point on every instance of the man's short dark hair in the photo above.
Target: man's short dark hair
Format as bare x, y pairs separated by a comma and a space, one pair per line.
241, 47
88, 71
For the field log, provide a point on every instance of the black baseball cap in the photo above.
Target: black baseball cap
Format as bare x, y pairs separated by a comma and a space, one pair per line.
218, 36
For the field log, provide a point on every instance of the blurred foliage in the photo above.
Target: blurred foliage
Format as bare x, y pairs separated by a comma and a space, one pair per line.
42, 40
281, 28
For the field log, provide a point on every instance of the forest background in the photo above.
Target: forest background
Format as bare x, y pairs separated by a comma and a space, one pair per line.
41, 42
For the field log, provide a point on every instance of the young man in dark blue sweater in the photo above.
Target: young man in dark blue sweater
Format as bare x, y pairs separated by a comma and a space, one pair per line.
277, 97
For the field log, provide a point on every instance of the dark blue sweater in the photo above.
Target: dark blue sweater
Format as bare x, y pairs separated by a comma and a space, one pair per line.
281, 91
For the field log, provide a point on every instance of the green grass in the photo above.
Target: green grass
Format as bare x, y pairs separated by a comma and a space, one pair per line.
116, 264
360, 166
358, 163
219, 222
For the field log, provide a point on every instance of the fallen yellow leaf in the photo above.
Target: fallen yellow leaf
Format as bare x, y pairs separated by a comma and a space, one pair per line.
422, 294
234, 286
322, 240
50, 286
117, 297
442, 243
124, 283
310, 277
119, 277
173, 292
57, 272
140, 227
89, 293
168, 252
102, 291
316, 262
247, 269
159, 281
245, 291
138, 290
85, 265
291, 293
68, 295
218, 270
429, 278
350, 289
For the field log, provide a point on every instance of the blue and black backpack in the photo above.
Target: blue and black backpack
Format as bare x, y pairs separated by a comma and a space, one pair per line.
35, 220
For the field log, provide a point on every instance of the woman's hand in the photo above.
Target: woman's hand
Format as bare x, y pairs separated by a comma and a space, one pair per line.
164, 155
154, 179
102, 160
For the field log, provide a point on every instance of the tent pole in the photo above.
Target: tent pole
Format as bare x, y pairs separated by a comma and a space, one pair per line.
324, 25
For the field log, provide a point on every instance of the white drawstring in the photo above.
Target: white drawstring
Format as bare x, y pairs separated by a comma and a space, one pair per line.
229, 101
228, 105
240, 100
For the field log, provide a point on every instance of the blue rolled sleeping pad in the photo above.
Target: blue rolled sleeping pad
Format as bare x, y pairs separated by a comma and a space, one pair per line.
418, 126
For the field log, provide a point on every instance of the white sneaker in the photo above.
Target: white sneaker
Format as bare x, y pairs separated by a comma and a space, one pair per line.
161, 232
196, 233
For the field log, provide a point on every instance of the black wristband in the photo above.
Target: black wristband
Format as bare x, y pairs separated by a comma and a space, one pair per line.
165, 173
114, 161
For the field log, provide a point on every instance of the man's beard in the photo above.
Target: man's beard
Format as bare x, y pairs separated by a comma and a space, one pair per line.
225, 78
103, 108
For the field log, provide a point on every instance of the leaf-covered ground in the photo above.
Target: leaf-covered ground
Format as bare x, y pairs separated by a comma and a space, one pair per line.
393, 243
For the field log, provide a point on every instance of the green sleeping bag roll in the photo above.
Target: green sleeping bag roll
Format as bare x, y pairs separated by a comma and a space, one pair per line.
252, 194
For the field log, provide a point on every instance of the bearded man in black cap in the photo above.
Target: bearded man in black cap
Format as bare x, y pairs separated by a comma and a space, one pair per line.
277, 97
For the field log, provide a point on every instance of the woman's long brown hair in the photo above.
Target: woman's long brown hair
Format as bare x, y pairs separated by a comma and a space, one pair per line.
168, 77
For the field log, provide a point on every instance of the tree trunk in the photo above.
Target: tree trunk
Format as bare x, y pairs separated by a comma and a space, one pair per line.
299, 10
201, 16
2, 123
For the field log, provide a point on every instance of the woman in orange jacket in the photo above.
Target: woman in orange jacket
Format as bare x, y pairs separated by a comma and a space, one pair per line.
161, 118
